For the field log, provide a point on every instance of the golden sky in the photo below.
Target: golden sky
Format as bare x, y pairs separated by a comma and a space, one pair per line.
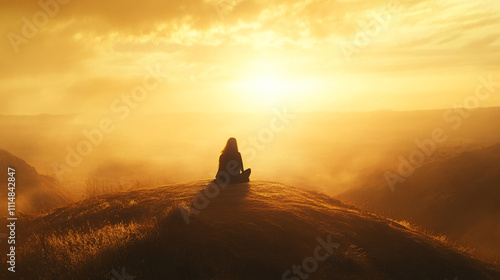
73, 56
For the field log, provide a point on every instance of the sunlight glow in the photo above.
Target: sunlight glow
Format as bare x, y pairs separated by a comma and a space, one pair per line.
266, 84
268, 89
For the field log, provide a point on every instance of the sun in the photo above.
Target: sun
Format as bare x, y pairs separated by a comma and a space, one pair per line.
265, 85
267, 88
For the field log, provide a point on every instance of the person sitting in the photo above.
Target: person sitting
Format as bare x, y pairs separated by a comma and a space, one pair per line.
230, 165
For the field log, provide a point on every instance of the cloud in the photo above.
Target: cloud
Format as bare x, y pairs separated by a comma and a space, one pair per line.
90, 47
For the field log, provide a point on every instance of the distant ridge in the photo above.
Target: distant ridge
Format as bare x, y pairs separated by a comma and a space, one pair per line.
34, 192
458, 196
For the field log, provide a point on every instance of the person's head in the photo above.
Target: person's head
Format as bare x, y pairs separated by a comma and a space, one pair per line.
231, 146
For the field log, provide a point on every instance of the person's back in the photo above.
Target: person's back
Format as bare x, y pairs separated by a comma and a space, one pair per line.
231, 164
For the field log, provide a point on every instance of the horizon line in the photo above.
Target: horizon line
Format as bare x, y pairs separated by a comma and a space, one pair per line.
250, 112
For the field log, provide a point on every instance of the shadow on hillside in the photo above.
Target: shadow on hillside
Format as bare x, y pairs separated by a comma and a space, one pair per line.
215, 198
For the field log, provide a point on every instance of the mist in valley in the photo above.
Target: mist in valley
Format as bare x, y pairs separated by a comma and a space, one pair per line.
330, 152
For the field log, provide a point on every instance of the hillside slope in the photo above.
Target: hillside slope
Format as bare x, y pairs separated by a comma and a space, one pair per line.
459, 197
256, 230
34, 192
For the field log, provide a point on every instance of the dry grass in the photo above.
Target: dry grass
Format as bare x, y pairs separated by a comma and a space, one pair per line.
74, 247
95, 187
253, 233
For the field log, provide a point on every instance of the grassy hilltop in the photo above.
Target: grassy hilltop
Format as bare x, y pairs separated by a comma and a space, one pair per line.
257, 230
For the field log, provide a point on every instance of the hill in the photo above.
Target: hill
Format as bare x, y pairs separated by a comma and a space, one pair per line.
34, 192
457, 196
256, 230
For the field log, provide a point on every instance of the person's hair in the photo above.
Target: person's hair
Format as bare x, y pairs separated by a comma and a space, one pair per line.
231, 146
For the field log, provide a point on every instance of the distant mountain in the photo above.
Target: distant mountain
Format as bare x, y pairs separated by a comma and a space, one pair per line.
458, 196
34, 192
258, 230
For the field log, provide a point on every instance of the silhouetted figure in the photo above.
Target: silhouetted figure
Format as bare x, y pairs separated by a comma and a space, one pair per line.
230, 165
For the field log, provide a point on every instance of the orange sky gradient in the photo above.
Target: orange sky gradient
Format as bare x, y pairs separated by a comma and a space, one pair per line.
246, 55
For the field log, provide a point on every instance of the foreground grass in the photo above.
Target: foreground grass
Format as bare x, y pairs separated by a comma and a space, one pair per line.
249, 231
